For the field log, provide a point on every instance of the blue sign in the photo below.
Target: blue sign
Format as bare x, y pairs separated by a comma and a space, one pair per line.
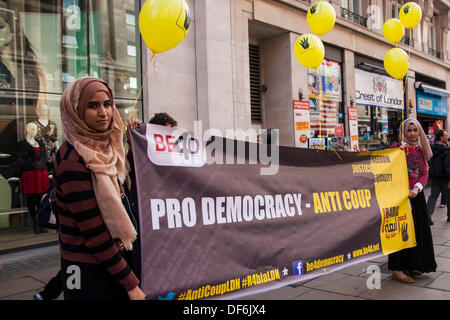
298, 268
431, 104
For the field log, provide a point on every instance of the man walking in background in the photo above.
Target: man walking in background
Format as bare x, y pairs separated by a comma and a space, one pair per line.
439, 172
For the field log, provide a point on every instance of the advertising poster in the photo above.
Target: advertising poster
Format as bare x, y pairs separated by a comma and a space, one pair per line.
338, 143
301, 123
330, 75
353, 125
317, 143
324, 116
339, 129
220, 229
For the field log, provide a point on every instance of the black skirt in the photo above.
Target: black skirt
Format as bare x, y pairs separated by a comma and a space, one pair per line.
421, 257
85, 281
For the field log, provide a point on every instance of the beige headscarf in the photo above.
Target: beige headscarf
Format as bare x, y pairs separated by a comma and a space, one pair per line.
103, 153
423, 143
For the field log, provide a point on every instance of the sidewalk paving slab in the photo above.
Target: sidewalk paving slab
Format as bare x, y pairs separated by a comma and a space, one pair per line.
324, 295
443, 264
346, 285
19, 285
445, 253
442, 282
395, 290
438, 250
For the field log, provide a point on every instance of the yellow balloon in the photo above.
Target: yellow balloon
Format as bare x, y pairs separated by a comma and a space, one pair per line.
396, 63
309, 51
164, 23
321, 17
410, 15
393, 30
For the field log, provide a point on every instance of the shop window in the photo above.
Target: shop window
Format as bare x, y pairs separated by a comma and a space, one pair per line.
395, 8
45, 46
325, 97
432, 39
378, 127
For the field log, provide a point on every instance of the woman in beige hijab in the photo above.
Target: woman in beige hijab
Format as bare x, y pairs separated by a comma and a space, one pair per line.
410, 264
96, 231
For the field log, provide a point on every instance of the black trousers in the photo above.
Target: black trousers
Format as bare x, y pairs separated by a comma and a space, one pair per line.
438, 186
53, 288
84, 281
33, 201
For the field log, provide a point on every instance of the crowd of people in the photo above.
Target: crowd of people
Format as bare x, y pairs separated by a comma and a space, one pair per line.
96, 197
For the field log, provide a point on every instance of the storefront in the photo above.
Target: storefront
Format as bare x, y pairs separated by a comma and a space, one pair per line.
326, 127
44, 46
431, 108
379, 104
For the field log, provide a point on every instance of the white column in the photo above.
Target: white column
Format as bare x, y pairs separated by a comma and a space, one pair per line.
349, 85
214, 64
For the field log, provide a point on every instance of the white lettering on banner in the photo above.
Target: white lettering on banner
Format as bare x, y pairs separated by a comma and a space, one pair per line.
222, 210
378, 90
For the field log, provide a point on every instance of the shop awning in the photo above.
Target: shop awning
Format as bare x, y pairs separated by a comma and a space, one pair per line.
433, 90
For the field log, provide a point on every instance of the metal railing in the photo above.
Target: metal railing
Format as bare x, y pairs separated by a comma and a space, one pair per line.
356, 18
406, 40
434, 53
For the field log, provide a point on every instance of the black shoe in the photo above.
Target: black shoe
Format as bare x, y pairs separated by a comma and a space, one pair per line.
431, 222
43, 230
36, 230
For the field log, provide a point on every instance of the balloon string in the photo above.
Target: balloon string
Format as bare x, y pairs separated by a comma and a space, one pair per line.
406, 83
320, 105
145, 78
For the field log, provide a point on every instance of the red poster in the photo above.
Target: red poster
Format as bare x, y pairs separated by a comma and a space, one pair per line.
339, 129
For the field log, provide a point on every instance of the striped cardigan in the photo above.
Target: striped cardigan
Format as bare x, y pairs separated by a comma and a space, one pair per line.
83, 234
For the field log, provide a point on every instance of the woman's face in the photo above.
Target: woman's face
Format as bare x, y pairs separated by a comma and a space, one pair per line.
412, 133
98, 113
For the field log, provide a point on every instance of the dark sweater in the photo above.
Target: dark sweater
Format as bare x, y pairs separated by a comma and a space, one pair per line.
83, 234
440, 162
28, 159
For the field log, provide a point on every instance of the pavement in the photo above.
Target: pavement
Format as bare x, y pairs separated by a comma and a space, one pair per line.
25, 273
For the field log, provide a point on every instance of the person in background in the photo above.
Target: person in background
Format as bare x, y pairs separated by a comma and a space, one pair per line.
130, 186
443, 197
439, 171
163, 119
412, 263
270, 136
97, 229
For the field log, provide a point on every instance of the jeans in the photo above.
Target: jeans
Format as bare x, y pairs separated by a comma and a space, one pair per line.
437, 186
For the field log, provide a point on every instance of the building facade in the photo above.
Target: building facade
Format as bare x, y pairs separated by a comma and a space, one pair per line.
236, 69
44, 46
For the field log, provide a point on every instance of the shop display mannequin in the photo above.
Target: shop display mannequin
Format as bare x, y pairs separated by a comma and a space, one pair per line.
47, 134
33, 172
